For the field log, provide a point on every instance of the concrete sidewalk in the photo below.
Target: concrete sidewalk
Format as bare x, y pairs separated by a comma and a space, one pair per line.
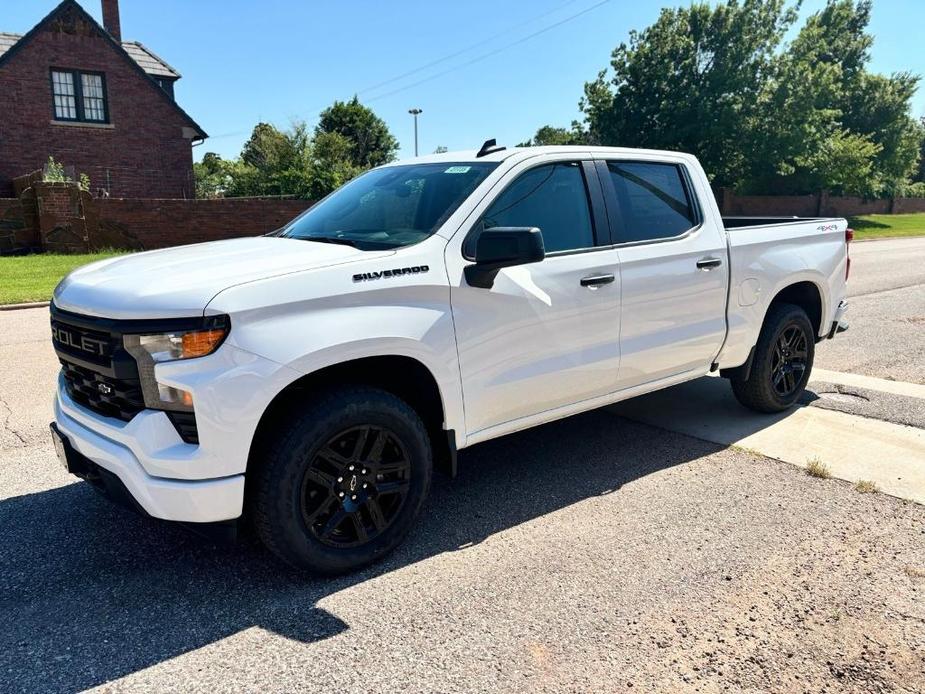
853, 448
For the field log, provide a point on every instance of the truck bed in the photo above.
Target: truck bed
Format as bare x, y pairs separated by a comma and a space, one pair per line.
739, 222
767, 251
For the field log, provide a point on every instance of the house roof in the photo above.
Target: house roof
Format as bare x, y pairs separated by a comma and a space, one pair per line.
147, 60
11, 43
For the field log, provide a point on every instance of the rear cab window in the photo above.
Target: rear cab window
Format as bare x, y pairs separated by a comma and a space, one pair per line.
654, 201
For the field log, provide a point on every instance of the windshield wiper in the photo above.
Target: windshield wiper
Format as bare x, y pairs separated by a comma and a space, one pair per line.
332, 239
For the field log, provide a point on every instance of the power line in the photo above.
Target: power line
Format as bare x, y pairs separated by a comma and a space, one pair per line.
490, 53
465, 50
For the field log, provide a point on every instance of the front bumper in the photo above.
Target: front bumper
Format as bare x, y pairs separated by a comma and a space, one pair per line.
118, 448
840, 321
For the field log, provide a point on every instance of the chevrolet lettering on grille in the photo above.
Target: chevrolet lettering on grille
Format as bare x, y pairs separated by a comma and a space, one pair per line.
66, 338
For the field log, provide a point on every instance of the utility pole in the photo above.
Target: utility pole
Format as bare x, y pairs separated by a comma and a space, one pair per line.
415, 112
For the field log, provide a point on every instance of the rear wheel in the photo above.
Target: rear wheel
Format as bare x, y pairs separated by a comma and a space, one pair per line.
782, 362
342, 483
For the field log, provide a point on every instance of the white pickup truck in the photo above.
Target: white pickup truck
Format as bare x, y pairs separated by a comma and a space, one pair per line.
310, 380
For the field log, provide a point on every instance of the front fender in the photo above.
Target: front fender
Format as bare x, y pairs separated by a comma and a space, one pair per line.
403, 318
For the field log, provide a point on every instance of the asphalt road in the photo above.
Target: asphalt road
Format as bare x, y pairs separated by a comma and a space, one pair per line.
589, 554
887, 313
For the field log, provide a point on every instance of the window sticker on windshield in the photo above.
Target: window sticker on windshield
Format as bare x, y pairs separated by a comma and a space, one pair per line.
458, 169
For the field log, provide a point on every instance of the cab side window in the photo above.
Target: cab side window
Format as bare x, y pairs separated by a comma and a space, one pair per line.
552, 197
654, 200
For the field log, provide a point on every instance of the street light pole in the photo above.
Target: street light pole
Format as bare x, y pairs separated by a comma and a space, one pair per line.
415, 112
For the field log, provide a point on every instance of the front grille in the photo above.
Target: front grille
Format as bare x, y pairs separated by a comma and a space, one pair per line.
100, 375
83, 344
110, 397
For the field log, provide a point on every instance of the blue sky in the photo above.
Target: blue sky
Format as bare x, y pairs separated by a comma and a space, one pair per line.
276, 60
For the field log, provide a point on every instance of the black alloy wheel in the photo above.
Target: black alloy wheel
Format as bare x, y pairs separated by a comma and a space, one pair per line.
339, 478
355, 486
788, 360
782, 361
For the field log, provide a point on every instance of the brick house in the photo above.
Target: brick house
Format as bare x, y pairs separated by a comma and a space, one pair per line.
72, 89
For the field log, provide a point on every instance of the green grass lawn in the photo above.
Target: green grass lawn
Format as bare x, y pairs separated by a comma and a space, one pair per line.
874, 226
33, 277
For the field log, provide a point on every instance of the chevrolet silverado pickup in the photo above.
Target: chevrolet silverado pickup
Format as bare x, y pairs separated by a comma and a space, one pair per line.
309, 381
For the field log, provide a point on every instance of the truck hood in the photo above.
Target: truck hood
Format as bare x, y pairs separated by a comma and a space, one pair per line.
181, 281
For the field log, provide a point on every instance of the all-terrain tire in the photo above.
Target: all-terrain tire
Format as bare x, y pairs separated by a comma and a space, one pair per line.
774, 385
309, 470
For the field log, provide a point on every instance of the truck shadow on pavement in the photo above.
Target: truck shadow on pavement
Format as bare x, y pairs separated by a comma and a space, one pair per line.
91, 593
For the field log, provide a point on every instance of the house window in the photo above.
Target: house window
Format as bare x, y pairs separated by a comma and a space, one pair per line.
165, 84
79, 96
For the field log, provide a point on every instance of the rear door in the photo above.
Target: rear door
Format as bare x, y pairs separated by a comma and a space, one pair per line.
546, 334
674, 269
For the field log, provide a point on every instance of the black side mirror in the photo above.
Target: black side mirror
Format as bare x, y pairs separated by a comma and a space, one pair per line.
502, 247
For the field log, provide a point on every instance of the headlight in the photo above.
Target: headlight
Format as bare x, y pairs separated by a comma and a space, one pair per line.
180, 345
152, 349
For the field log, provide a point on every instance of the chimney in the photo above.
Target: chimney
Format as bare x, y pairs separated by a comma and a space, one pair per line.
111, 19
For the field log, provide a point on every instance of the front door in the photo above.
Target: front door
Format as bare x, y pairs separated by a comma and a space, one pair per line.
546, 334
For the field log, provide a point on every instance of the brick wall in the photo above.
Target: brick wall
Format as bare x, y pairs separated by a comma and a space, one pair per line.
15, 232
58, 217
62, 225
819, 205
163, 223
907, 205
733, 205
142, 152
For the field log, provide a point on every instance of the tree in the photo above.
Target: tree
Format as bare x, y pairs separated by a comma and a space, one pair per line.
821, 97
331, 164
298, 162
210, 175
549, 135
690, 82
878, 107
920, 176
272, 162
371, 143
268, 149
714, 81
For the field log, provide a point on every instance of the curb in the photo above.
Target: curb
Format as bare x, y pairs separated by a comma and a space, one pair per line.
16, 307
887, 238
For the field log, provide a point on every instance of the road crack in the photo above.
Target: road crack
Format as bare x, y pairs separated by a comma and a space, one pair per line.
6, 422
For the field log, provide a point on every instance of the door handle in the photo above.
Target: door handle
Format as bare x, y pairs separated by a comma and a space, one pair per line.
596, 280
708, 263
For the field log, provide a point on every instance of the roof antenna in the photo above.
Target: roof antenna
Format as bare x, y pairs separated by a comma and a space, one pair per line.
488, 147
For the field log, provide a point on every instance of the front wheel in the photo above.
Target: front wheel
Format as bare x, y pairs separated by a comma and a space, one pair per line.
782, 362
341, 483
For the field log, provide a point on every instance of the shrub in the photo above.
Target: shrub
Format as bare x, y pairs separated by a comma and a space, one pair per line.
816, 468
54, 172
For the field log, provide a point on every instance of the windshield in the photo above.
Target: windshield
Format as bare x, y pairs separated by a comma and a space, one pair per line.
390, 207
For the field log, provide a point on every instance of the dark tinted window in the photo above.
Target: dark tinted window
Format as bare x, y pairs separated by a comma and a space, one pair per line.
390, 207
654, 201
552, 197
